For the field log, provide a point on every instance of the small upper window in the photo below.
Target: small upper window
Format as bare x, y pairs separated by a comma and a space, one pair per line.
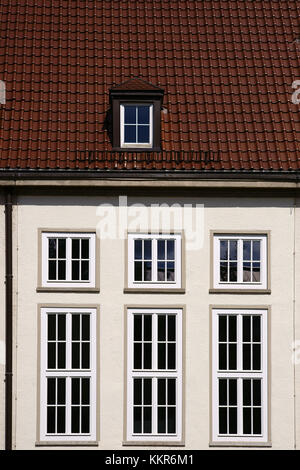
136, 125
154, 261
240, 261
136, 115
68, 259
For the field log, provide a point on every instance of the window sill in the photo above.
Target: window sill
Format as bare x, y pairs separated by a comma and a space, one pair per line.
68, 289
66, 443
239, 291
153, 290
240, 444
154, 443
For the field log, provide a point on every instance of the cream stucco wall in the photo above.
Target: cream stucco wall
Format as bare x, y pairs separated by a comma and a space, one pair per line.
220, 213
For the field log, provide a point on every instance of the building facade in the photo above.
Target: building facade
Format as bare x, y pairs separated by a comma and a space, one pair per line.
150, 226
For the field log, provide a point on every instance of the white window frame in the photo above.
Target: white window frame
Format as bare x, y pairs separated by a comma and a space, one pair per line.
155, 283
155, 374
240, 374
122, 125
68, 282
68, 373
240, 284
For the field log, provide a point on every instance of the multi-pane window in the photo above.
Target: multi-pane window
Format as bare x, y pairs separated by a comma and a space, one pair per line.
154, 260
154, 387
240, 261
136, 125
68, 259
240, 385
68, 374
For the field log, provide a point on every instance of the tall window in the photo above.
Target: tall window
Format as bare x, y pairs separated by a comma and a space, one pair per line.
68, 374
240, 381
136, 125
68, 259
154, 386
154, 260
240, 261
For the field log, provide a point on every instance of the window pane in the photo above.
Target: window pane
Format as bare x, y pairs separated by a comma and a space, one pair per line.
256, 420
85, 323
75, 391
247, 250
247, 421
161, 327
147, 356
232, 420
233, 272
61, 419
161, 418
232, 392
171, 392
50, 419
51, 391
222, 392
52, 270
85, 391
161, 391
161, 271
137, 362
171, 420
233, 249
223, 249
161, 355
51, 327
137, 327
147, 327
256, 392
137, 391
143, 134
137, 419
256, 328
147, 391
222, 328
232, 327
85, 355
171, 249
75, 249
246, 328
138, 249
75, 419
148, 271
143, 115
138, 271
147, 420
52, 247
171, 356
148, 249
61, 327
256, 356
170, 272
223, 272
51, 355
246, 357
75, 327
85, 243
75, 270
222, 356
256, 250
246, 272
130, 134
130, 114
171, 328
61, 391
161, 249
85, 271
75, 356
85, 419
246, 392
61, 349
223, 420
61, 247
61, 270
232, 357
256, 272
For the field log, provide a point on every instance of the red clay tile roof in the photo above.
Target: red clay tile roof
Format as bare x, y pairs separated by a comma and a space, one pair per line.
226, 68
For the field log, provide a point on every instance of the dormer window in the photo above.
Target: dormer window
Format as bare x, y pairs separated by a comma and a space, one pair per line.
136, 125
136, 112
